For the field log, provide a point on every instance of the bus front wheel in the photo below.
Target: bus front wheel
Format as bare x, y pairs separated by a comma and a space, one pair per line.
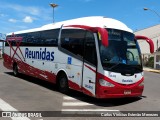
63, 83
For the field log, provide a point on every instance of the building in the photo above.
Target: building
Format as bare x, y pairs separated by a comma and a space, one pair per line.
153, 33
0, 52
1, 48
2, 38
157, 60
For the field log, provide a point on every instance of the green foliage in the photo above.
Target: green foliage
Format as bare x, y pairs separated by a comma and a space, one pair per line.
150, 62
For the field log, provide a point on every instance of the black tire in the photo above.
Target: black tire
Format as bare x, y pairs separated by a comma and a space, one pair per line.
63, 83
15, 70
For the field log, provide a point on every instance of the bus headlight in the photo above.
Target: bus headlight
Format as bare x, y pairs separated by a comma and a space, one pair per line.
105, 83
142, 83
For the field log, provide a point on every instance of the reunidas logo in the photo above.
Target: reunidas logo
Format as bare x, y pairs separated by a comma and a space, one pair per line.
42, 54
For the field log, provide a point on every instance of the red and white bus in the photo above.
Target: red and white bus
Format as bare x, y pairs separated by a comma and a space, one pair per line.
96, 55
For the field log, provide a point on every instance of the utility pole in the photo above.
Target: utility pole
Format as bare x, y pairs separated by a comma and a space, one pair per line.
157, 15
152, 11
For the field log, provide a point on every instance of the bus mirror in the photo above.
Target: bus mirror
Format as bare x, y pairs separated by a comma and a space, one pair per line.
103, 36
150, 42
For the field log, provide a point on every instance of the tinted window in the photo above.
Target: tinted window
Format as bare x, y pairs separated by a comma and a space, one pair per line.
40, 38
72, 40
31, 39
90, 49
122, 52
6, 43
50, 37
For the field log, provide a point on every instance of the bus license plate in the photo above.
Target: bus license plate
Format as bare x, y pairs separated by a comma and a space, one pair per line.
127, 92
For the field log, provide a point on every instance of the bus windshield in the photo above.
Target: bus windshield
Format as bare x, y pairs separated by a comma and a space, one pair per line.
122, 54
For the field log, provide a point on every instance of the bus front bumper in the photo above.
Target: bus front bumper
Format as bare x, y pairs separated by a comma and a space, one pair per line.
119, 92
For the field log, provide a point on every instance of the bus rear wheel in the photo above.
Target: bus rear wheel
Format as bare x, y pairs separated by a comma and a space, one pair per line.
15, 70
63, 83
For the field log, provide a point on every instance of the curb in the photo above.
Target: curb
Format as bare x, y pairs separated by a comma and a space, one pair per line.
154, 71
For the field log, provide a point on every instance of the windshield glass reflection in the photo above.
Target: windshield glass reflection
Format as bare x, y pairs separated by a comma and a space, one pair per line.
123, 52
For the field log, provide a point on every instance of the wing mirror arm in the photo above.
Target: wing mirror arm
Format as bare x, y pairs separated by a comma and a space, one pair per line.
149, 41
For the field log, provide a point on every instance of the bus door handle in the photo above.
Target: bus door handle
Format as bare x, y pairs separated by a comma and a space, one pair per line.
90, 81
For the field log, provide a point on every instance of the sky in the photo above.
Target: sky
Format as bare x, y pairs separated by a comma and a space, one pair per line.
18, 15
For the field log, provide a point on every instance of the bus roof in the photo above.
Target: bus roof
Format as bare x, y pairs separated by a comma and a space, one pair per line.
93, 21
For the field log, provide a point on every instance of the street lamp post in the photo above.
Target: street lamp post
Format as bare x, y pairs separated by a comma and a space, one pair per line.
156, 14
152, 11
53, 6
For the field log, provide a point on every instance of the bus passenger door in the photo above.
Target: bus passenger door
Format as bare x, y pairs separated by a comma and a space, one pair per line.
89, 65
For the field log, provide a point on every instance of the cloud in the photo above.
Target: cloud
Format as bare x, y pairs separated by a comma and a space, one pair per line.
19, 11
30, 9
28, 19
20, 8
23, 15
12, 20
33, 10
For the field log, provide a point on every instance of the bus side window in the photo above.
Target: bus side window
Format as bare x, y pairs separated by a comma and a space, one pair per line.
50, 37
23, 43
31, 39
90, 55
72, 41
6, 43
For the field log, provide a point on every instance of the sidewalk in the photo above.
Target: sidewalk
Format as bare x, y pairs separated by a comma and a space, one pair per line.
151, 70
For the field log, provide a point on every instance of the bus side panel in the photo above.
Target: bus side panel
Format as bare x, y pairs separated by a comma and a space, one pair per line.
45, 69
7, 58
27, 66
72, 67
7, 62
